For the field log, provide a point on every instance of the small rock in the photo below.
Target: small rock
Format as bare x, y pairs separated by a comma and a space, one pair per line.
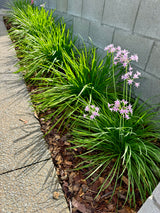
55, 195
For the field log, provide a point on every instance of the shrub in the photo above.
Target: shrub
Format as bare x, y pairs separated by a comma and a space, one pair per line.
121, 134
81, 79
39, 39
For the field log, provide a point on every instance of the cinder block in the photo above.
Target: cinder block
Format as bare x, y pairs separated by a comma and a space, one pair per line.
101, 53
81, 27
154, 62
62, 5
134, 44
52, 4
120, 13
156, 194
75, 7
148, 20
149, 207
68, 19
93, 9
37, 2
149, 89
101, 35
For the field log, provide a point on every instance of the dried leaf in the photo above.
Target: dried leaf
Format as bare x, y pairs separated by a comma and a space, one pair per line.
57, 137
35, 115
59, 159
79, 206
125, 180
110, 207
76, 187
69, 163
71, 177
66, 143
101, 180
64, 177
98, 198
84, 188
126, 210
88, 198
25, 122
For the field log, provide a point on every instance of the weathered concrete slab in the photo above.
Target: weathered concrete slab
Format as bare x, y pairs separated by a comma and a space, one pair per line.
19, 128
75, 7
2, 27
153, 65
24, 193
134, 44
120, 14
148, 20
93, 12
81, 27
25, 159
101, 35
149, 88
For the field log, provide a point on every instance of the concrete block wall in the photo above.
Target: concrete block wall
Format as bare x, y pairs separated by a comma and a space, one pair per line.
132, 24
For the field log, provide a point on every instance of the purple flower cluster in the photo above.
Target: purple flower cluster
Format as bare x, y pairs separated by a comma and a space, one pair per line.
92, 111
130, 78
121, 56
122, 108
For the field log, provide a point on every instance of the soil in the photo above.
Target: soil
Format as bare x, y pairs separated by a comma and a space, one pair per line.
80, 192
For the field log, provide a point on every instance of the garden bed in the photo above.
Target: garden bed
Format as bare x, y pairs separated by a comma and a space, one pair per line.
114, 124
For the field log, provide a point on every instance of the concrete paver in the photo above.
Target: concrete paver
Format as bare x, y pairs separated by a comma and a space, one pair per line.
22, 144
15, 110
22, 193
149, 206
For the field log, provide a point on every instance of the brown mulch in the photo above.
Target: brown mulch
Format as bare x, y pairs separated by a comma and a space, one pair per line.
80, 192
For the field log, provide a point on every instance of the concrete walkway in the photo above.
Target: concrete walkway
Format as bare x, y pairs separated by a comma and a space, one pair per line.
23, 168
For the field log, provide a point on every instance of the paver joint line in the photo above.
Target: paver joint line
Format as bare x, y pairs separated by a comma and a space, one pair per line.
23, 167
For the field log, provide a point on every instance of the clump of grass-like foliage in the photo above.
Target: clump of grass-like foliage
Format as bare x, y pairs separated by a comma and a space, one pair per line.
122, 132
82, 77
40, 39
